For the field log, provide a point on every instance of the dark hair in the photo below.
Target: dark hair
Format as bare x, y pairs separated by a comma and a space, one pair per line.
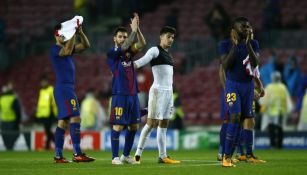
43, 77
120, 29
57, 27
167, 29
239, 19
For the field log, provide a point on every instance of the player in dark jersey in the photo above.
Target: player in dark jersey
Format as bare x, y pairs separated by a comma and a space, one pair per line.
125, 106
239, 56
64, 93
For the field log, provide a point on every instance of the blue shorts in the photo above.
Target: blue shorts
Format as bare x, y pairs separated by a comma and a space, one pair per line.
66, 101
125, 110
239, 98
224, 109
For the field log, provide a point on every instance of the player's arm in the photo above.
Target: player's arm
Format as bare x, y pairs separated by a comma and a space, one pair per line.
128, 42
228, 59
136, 47
254, 57
68, 48
259, 86
84, 44
150, 54
222, 76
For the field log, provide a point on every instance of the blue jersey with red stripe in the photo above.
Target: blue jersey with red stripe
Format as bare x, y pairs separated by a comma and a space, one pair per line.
63, 67
124, 76
64, 90
238, 71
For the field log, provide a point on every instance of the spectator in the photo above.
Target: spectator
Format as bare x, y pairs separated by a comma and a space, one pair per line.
276, 105
292, 75
176, 121
267, 69
218, 21
172, 19
93, 115
46, 111
271, 15
302, 124
10, 112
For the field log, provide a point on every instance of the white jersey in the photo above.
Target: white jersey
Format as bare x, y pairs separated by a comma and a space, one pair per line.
162, 73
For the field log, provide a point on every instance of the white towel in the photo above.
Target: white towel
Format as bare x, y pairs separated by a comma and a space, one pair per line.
68, 28
249, 69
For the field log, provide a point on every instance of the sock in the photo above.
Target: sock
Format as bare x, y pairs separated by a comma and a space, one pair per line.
59, 142
230, 138
222, 138
161, 139
75, 137
248, 137
240, 149
115, 143
129, 139
143, 137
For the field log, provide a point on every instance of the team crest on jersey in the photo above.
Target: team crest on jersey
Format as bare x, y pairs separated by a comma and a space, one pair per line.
230, 104
126, 64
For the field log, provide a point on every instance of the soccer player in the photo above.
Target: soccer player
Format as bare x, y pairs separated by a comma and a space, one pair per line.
239, 86
64, 93
160, 101
125, 105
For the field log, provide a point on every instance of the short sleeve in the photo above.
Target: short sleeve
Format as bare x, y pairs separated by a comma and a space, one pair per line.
223, 48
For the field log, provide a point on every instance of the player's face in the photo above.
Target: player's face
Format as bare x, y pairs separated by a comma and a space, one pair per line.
120, 38
242, 28
60, 40
167, 39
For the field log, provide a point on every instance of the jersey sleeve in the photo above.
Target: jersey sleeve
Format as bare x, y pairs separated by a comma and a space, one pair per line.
150, 54
255, 46
223, 48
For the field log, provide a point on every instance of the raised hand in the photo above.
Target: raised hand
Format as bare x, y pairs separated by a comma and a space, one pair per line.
134, 23
234, 37
250, 36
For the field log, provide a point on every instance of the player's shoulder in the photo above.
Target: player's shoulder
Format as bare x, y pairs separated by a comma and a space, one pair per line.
225, 42
255, 42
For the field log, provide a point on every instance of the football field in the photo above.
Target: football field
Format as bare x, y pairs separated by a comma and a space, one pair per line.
201, 162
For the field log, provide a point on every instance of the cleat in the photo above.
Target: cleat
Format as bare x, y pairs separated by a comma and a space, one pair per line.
168, 160
82, 158
235, 160
219, 157
227, 162
254, 159
241, 157
60, 160
137, 159
116, 161
127, 160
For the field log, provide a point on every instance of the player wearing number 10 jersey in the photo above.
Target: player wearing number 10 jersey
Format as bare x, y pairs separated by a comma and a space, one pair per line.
125, 105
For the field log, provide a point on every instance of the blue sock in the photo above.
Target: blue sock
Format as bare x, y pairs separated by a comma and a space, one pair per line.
222, 138
240, 149
248, 137
115, 143
59, 141
129, 139
75, 137
230, 138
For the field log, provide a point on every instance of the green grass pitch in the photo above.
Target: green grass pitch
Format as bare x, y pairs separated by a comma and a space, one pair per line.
202, 162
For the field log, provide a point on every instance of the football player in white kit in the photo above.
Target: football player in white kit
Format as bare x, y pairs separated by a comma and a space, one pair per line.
160, 101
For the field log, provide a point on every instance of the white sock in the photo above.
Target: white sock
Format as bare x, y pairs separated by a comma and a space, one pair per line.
161, 140
143, 137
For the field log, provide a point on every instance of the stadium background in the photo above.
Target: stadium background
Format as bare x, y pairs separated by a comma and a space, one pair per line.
26, 37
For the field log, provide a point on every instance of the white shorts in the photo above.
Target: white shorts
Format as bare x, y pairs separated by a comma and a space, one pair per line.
160, 104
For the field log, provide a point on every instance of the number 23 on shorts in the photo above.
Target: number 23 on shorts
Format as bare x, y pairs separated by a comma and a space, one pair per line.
231, 97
